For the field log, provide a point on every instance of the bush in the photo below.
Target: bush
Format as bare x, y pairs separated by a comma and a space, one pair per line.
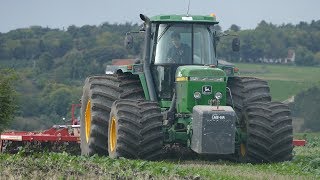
7, 97
307, 105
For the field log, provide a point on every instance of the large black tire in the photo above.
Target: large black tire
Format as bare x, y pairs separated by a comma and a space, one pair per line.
245, 90
268, 125
282, 134
135, 130
99, 92
2, 146
258, 130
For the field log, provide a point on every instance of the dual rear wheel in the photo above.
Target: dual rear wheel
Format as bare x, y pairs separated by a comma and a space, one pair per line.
266, 125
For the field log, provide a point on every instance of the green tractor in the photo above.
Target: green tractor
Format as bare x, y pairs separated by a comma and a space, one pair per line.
179, 94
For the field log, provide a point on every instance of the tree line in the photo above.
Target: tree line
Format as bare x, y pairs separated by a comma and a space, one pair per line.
99, 44
271, 42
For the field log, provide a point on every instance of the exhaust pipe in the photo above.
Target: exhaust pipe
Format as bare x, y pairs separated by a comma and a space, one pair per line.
146, 59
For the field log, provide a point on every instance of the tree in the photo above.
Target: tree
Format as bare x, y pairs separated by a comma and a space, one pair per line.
57, 43
235, 28
217, 28
307, 105
57, 98
7, 97
317, 58
104, 54
60, 101
72, 30
45, 62
304, 57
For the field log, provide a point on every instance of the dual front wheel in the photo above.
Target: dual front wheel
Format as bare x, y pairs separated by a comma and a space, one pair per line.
135, 130
115, 119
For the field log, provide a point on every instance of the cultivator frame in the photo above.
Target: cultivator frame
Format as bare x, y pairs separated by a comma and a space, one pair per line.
56, 135
299, 142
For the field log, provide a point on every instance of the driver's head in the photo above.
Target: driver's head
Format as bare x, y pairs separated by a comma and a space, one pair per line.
175, 38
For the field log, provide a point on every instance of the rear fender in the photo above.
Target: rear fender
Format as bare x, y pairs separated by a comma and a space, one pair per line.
133, 69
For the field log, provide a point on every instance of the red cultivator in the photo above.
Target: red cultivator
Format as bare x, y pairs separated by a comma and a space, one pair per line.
297, 142
57, 138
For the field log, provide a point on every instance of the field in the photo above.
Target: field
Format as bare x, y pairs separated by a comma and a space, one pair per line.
285, 81
305, 165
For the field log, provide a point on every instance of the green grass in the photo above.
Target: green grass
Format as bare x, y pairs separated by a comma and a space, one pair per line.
285, 81
305, 165
282, 90
62, 165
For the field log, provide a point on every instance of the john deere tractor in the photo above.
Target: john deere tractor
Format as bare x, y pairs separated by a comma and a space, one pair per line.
134, 110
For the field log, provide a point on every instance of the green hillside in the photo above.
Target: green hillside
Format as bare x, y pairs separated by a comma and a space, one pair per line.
285, 81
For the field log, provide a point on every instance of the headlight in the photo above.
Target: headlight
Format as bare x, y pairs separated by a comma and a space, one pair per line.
197, 95
218, 95
181, 79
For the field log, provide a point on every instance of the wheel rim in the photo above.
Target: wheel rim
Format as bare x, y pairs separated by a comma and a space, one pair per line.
243, 150
1, 146
113, 134
88, 120
243, 147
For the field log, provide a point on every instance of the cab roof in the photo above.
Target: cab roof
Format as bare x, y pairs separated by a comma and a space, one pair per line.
185, 19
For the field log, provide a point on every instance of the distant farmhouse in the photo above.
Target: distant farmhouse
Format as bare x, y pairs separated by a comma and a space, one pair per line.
287, 60
291, 57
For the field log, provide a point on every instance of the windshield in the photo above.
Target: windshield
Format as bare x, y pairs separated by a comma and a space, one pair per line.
184, 44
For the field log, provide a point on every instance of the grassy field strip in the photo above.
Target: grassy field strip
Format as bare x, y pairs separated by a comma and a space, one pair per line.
246, 171
282, 90
26, 165
306, 165
294, 73
285, 81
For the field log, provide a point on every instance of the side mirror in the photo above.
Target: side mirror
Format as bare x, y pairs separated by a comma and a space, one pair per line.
143, 28
128, 41
236, 44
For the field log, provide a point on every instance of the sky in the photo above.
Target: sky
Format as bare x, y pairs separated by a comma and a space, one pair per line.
63, 13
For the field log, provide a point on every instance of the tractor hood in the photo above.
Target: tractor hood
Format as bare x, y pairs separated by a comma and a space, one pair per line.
199, 71
197, 85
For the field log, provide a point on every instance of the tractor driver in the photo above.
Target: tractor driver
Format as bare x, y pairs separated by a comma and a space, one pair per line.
179, 52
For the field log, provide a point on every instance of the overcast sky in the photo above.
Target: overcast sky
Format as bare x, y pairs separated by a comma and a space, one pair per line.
63, 13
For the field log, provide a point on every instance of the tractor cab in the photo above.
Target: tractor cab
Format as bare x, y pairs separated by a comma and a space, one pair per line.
183, 44
177, 44
174, 45
173, 41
